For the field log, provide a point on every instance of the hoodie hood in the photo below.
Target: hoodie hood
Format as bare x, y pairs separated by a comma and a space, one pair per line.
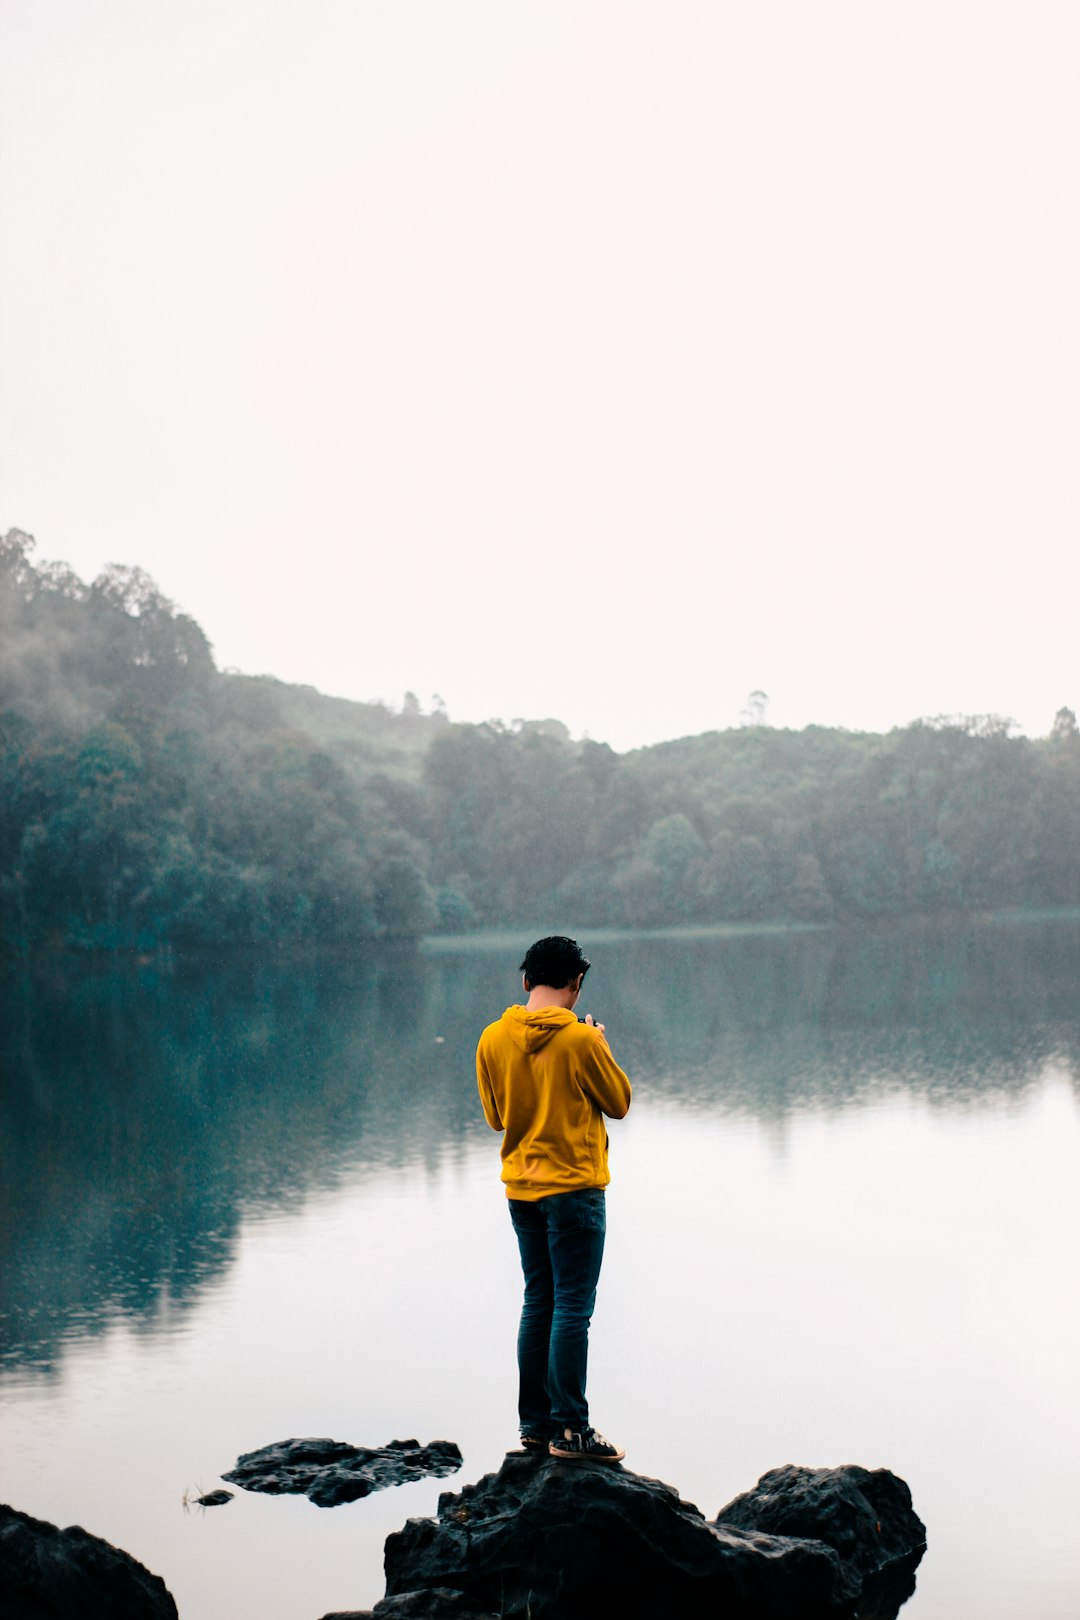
532, 1030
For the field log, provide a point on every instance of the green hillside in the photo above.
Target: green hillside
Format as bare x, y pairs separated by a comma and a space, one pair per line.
149, 798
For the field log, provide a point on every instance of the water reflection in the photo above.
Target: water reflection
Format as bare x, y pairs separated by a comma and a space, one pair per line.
772, 1023
147, 1110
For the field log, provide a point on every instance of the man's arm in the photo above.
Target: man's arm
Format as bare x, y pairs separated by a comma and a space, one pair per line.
603, 1080
487, 1095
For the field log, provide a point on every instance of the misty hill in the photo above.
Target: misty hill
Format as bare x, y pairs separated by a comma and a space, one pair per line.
364, 736
148, 797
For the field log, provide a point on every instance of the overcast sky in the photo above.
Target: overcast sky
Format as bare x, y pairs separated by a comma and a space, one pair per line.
604, 361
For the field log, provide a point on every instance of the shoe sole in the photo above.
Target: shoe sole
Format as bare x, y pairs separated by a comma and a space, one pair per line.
586, 1456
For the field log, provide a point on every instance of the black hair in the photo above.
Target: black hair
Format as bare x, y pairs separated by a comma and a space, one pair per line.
555, 961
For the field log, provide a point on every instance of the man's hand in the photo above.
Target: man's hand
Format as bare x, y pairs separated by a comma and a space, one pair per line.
591, 1021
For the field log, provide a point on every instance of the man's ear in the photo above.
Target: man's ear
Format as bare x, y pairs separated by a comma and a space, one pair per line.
525, 981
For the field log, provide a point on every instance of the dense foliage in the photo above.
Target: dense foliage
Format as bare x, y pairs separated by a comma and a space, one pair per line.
149, 798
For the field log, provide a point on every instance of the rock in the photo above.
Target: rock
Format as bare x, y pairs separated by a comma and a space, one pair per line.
52, 1574
866, 1517
214, 1499
544, 1540
441, 1603
329, 1472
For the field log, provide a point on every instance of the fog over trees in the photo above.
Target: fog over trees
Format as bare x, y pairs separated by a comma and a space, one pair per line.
149, 798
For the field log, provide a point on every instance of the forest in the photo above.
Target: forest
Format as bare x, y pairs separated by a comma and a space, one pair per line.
149, 799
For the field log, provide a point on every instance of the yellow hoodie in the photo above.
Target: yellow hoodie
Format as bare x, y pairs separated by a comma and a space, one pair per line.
546, 1082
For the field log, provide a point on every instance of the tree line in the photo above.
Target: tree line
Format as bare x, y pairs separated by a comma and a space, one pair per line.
148, 799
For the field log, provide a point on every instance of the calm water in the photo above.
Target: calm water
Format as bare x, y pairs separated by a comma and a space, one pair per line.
252, 1199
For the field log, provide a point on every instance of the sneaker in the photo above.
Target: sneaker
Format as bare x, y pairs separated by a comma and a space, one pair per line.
585, 1445
530, 1445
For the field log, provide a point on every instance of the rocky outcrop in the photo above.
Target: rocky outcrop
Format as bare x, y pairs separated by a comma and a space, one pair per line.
52, 1574
439, 1604
544, 1540
329, 1472
865, 1517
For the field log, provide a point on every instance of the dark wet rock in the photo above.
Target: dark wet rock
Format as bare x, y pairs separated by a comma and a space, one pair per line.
214, 1499
543, 1540
329, 1472
865, 1516
441, 1603
52, 1574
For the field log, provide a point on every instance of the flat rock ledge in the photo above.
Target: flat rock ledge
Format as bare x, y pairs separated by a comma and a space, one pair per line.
52, 1574
329, 1472
544, 1540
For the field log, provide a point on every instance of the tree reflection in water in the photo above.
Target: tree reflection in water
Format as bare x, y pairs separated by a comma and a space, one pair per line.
147, 1109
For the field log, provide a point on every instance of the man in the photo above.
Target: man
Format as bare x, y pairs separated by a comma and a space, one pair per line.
546, 1081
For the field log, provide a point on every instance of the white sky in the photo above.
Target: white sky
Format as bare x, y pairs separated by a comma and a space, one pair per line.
582, 359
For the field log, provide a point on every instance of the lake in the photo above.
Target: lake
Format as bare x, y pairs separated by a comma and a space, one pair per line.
253, 1197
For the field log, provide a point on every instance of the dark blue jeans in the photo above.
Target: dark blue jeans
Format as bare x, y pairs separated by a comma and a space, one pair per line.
561, 1239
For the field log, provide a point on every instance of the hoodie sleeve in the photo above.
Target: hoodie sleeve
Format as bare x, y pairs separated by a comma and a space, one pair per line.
487, 1095
603, 1080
